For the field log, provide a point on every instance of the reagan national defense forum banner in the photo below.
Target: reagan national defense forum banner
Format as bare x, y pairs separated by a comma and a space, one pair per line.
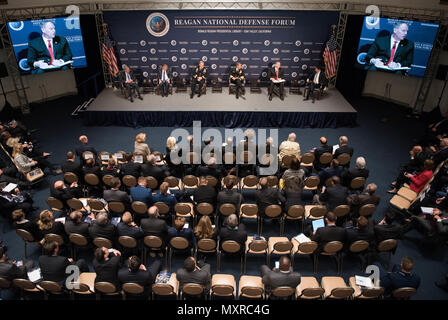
146, 39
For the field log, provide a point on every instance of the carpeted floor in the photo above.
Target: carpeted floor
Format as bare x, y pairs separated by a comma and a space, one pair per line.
384, 137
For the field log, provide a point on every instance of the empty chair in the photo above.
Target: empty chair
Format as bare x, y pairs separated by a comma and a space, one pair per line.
336, 288
314, 212
283, 293
332, 248
341, 210
184, 210
55, 204
129, 181
311, 183
250, 211
85, 285
27, 237
153, 243
309, 289
152, 183
139, 207
132, 289
191, 290
223, 285
404, 293
273, 212
51, 288
250, 287
177, 244
106, 289
365, 293
190, 182
70, 177
359, 248
231, 247
367, 210
77, 241
27, 287
116, 207
257, 247
387, 246
294, 213
304, 249
206, 246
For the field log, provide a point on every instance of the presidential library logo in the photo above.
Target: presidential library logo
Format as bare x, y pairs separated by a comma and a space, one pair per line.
157, 24
16, 25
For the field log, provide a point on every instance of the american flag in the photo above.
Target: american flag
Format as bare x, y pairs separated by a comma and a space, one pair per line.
109, 56
330, 56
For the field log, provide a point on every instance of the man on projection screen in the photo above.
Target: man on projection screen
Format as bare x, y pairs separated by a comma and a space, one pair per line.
48, 52
392, 52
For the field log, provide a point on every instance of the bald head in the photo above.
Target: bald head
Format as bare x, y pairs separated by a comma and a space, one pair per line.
371, 188
152, 159
58, 185
292, 137
343, 140
83, 139
153, 212
323, 140
75, 216
285, 263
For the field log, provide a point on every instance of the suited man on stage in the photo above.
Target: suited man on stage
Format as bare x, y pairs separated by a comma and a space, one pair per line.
315, 80
237, 77
394, 51
48, 50
276, 73
129, 81
199, 76
164, 80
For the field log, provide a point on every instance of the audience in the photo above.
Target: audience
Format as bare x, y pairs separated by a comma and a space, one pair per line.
284, 276
106, 264
233, 231
267, 196
289, 147
103, 228
141, 192
140, 147
194, 272
333, 195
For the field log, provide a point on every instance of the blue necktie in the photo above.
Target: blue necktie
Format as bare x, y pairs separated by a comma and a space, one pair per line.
163, 76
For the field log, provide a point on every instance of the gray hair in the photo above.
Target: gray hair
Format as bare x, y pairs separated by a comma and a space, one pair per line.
101, 218
360, 163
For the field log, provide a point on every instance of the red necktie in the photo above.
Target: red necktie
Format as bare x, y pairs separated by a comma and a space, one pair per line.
276, 75
51, 52
392, 52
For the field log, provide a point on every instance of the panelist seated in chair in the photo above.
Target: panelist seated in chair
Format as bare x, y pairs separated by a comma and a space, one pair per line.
276, 75
49, 51
316, 80
199, 77
164, 80
129, 82
237, 77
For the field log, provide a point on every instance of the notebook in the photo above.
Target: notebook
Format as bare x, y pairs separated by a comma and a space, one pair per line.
427, 210
163, 277
301, 238
335, 147
35, 275
319, 223
9, 187
365, 282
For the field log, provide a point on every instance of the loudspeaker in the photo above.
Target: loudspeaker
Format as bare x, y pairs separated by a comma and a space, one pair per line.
3, 70
442, 72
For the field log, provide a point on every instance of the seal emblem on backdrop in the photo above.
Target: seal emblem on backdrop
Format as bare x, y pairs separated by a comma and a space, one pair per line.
157, 24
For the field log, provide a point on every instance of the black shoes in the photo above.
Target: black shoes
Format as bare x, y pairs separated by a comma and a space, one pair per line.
191, 95
270, 98
140, 97
282, 98
199, 94
132, 99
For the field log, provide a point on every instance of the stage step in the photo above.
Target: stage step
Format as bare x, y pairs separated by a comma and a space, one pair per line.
82, 107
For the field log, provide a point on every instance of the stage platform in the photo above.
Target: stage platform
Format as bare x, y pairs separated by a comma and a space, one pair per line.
221, 110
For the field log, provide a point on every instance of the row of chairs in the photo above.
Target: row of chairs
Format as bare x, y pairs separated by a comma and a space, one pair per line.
222, 286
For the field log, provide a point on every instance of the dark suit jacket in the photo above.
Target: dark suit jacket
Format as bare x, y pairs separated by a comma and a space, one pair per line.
387, 231
53, 268
274, 279
334, 196
78, 228
116, 195
322, 78
271, 73
239, 235
107, 271
229, 196
30, 226
201, 276
267, 197
380, 48
320, 151
203, 171
141, 277
83, 148
122, 76
168, 74
148, 170
398, 279
205, 194
131, 168
327, 234
354, 234
57, 228
343, 149
440, 156
37, 50
352, 173
142, 194
71, 166
154, 227
108, 231
129, 231
9, 271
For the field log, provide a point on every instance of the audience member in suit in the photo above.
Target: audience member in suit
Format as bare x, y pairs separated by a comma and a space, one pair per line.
53, 267
115, 194
360, 170
401, 276
106, 264
289, 147
102, 228
416, 181
442, 154
316, 80
91, 167
130, 168
20, 222
199, 77
204, 193
130, 82
431, 225
435, 132
293, 192
415, 164
61, 192
136, 272
267, 196
229, 196
153, 225
343, 148
329, 233
74, 224
231, 230
47, 225
10, 270
333, 170
128, 228
284, 276
141, 192
166, 197
320, 150
333, 196
387, 229
71, 165
211, 169
356, 201
110, 169
276, 73
151, 169
8, 174
84, 147
178, 230
360, 232
193, 272
164, 78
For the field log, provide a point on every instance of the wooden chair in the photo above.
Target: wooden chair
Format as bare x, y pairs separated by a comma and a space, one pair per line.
102, 242
341, 210
77, 241
116, 207
314, 212
55, 204
85, 285
92, 179
206, 246
283, 293
405, 293
177, 243
325, 158
152, 183
70, 177
51, 288
26, 286
286, 160
128, 243
365, 293
387, 246
273, 182
227, 178
168, 289
223, 285
184, 210
190, 182
107, 180
132, 288
279, 246
343, 159
294, 213
250, 287
332, 248
250, 211
359, 248
153, 243
51, 237
106, 289
225, 210
205, 209
304, 249
191, 289
163, 208
307, 160
232, 247
211, 181
257, 247
75, 205
336, 288
272, 212
311, 183
139, 207
367, 210
174, 184
96, 205
129, 181
27, 237
5, 284
309, 289
249, 182
357, 183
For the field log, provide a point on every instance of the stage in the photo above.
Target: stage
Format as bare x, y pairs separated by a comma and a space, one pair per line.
221, 110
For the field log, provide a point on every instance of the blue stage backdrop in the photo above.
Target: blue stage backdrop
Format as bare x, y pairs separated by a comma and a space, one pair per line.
147, 39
